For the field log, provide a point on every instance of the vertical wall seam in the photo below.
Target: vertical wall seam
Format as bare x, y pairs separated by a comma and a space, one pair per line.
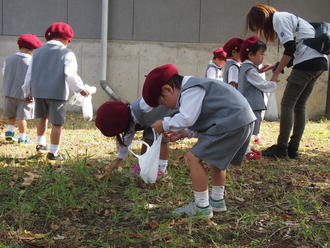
200, 21
2, 19
133, 19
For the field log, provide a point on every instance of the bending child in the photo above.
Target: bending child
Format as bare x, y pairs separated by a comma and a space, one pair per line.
115, 118
14, 71
217, 114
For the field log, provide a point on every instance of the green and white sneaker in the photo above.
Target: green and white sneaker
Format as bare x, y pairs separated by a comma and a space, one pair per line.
192, 209
24, 141
10, 136
219, 205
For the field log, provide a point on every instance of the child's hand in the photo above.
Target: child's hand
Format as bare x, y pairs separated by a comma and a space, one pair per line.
174, 136
265, 68
158, 126
28, 99
84, 92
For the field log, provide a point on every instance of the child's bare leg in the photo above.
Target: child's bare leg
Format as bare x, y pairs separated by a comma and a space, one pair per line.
22, 126
199, 180
11, 121
41, 131
55, 137
42, 126
218, 176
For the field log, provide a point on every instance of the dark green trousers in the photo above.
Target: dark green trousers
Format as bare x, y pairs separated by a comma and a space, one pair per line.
293, 106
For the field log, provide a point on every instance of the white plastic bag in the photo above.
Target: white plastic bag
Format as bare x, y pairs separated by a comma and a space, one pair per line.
149, 161
85, 102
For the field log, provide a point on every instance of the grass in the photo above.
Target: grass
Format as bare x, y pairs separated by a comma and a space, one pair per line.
82, 203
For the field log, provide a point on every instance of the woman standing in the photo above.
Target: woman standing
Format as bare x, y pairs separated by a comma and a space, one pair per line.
308, 65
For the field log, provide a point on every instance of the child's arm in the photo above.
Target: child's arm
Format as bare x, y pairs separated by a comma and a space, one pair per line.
233, 76
26, 87
211, 73
254, 77
71, 74
189, 110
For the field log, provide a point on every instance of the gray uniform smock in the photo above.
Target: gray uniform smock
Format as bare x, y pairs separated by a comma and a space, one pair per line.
254, 96
226, 68
14, 75
47, 77
224, 125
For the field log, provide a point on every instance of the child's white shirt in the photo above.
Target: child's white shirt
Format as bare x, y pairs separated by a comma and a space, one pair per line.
254, 78
189, 105
129, 136
285, 25
70, 70
233, 72
212, 72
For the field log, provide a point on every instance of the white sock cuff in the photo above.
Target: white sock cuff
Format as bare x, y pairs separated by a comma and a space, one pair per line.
54, 149
162, 165
202, 198
10, 128
217, 192
41, 140
22, 135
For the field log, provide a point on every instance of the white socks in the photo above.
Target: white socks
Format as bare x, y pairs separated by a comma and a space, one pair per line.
202, 198
54, 149
162, 165
22, 136
41, 140
217, 192
10, 128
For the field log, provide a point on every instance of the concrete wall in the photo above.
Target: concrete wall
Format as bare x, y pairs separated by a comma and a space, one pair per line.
147, 33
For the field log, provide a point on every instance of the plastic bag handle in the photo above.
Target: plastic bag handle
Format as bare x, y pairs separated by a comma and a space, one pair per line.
138, 142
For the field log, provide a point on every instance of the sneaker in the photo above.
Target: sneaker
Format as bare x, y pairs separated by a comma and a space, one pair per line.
218, 205
258, 141
192, 209
134, 171
10, 136
25, 141
253, 155
275, 151
52, 159
160, 174
41, 149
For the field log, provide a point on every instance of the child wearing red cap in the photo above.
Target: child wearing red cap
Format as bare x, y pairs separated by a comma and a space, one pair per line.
250, 82
115, 118
214, 68
14, 70
53, 71
217, 114
231, 69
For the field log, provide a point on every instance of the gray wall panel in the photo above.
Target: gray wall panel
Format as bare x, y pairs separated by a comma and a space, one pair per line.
32, 16
167, 20
312, 10
222, 20
85, 17
121, 19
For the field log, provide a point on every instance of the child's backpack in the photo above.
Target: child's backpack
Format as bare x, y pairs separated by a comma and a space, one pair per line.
321, 42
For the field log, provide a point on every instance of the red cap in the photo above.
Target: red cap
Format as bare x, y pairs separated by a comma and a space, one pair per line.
59, 30
220, 54
233, 44
112, 118
154, 82
247, 45
29, 41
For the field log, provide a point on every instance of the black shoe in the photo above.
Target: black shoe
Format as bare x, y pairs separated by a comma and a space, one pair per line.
292, 152
52, 159
275, 151
41, 149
